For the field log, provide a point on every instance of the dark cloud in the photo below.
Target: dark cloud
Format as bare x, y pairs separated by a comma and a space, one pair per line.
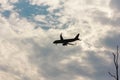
77, 68
99, 64
102, 18
115, 4
115, 22
111, 40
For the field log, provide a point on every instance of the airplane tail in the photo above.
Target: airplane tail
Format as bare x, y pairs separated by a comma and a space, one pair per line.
77, 37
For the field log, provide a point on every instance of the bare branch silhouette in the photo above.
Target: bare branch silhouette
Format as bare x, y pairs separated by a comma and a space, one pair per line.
115, 60
112, 75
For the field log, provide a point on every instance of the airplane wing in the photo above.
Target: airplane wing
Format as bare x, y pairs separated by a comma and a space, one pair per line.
71, 44
64, 44
61, 38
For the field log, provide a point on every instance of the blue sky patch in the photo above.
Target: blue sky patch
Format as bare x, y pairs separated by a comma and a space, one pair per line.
6, 13
25, 9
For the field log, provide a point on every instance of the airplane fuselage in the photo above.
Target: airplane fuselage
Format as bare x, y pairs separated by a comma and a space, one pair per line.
64, 41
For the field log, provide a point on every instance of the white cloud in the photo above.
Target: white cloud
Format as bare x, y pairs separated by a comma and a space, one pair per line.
5, 5
13, 1
54, 4
14, 60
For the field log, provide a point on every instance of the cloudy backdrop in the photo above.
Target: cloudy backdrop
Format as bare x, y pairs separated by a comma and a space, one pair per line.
28, 28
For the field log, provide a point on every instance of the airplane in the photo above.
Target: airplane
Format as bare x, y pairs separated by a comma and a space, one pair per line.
65, 42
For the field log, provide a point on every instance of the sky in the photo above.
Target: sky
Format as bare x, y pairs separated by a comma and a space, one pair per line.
29, 27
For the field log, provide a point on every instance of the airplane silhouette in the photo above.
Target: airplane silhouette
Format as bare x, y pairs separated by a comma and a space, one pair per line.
65, 42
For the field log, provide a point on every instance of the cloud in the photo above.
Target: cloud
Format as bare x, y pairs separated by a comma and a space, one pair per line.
27, 52
5, 5
79, 63
14, 61
105, 19
53, 4
109, 15
115, 4
111, 40
48, 59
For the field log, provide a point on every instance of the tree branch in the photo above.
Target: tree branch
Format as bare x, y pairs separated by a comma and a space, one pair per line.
116, 64
112, 75
114, 59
